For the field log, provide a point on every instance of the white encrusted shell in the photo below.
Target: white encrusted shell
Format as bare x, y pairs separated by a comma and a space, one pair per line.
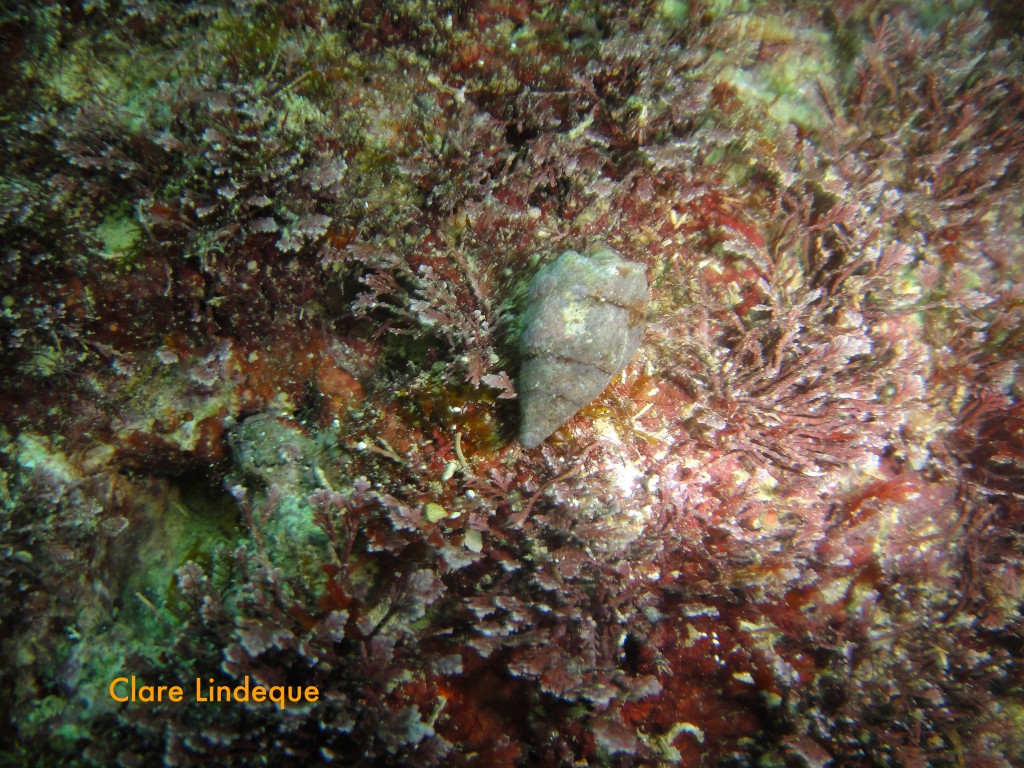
583, 323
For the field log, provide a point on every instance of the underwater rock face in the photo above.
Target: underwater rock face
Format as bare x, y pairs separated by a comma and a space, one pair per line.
272, 450
583, 323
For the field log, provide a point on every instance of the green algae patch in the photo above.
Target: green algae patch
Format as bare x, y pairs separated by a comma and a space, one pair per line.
787, 85
118, 235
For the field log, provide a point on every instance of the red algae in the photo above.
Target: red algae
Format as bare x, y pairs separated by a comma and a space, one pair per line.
268, 267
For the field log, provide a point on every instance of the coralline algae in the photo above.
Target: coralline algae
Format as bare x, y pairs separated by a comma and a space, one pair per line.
583, 323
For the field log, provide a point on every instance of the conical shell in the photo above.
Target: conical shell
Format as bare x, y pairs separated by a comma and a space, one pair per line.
583, 323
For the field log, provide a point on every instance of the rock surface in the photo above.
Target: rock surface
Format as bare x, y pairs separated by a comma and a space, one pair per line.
583, 323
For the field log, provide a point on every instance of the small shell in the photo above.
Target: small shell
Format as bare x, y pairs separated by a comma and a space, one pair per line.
583, 323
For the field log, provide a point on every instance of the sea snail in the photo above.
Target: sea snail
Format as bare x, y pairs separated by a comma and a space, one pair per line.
583, 323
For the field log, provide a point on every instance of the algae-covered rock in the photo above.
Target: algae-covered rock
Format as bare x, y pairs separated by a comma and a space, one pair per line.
583, 323
273, 450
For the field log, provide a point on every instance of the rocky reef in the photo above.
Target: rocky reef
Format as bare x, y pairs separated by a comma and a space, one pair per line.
268, 341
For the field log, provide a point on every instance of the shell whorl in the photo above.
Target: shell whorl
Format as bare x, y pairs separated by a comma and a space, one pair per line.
583, 323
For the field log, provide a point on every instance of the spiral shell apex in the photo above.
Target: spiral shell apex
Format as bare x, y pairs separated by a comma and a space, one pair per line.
583, 323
